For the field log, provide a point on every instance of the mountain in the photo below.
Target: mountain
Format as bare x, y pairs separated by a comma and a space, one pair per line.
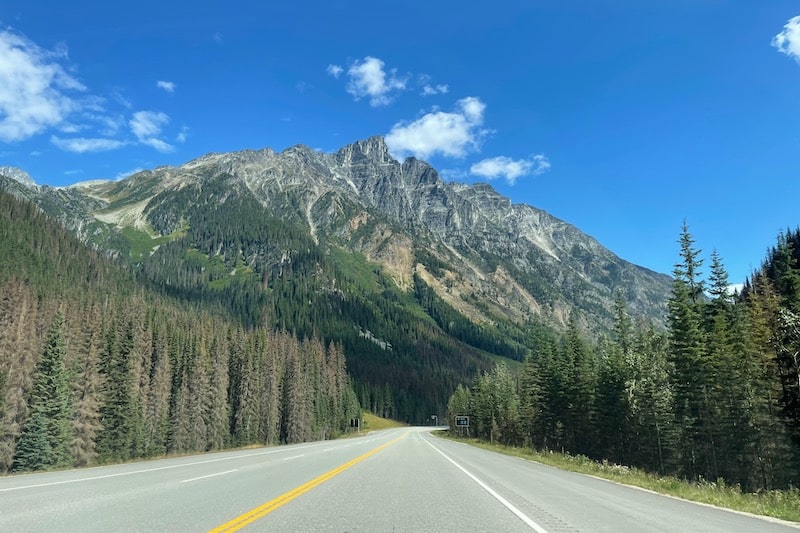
18, 175
421, 280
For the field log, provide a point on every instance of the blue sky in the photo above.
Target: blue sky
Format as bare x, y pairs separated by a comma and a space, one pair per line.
621, 117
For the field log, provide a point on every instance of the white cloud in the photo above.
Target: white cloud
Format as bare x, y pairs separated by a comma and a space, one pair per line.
166, 85
451, 134
368, 79
334, 70
108, 125
430, 90
182, 135
147, 126
510, 169
68, 127
148, 123
788, 40
34, 88
158, 144
81, 144
121, 99
217, 37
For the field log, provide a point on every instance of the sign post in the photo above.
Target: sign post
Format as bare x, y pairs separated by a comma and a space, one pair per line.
462, 425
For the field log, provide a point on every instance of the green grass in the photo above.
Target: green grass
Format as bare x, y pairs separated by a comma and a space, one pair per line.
783, 504
373, 422
142, 243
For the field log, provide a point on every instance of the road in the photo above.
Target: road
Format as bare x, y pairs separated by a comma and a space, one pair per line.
388, 481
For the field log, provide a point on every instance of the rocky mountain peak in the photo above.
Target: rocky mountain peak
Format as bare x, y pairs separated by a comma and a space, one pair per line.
482, 254
19, 175
372, 150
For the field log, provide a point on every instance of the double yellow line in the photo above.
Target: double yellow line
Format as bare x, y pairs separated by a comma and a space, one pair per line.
262, 510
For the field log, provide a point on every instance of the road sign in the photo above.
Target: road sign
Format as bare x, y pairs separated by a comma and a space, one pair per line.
462, 421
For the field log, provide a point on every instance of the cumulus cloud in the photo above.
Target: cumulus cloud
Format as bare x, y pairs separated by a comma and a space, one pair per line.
430, 90
39, 93
166, 85
368, 79
334, 70
34, 88
788, 40
510, 169
81, 145
148, 123
147, 126
450, 134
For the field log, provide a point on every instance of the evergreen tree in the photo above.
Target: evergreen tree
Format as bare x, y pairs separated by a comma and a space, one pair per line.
613, 410
115, 440
86, 391
579, 418
46, 438
769, 453
530, 398
651, 400
687, 350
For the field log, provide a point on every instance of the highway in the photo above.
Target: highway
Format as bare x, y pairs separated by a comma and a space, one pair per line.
387, 481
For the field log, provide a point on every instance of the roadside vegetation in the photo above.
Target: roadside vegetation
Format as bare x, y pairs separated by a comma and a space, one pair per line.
373, 422
707, 410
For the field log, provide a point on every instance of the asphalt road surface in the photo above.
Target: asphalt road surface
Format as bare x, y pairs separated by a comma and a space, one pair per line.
388, 481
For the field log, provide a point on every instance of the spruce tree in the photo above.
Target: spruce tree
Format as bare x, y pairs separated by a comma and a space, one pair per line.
687, 351
45, 441
530, 397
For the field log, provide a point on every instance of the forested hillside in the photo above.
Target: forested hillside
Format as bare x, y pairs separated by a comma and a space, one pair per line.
421, 282
95, 367
406, 349
715, 397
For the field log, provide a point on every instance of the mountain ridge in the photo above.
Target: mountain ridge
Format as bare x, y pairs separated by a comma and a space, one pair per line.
393, 212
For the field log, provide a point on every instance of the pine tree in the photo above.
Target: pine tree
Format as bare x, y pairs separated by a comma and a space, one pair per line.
46, 438
530, 398
115, 440
769, 452
19, 322
217, 407
613, 411
651, 400
458, 405
579, 418
786, 274
86, 390
687, 350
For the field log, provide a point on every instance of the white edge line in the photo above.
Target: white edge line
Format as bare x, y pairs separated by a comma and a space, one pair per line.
510, 506
169, 467
209, 475
146, 470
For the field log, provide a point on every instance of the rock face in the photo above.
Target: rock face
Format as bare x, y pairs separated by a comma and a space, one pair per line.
488, 258
18, 175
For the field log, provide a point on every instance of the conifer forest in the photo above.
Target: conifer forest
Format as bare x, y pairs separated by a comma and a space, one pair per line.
101, 363
94, 368
715, 397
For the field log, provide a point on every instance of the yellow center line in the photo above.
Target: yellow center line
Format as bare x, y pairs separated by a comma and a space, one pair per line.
262, 510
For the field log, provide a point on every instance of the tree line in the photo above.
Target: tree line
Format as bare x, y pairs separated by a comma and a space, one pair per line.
96, 368
714, 397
